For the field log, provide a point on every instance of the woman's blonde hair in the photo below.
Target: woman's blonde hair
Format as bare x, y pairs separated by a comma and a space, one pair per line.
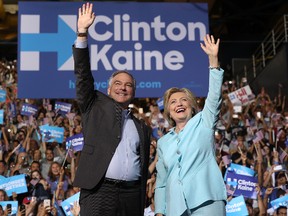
191, 97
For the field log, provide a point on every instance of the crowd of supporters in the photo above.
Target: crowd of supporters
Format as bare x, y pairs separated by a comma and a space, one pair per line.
253, 135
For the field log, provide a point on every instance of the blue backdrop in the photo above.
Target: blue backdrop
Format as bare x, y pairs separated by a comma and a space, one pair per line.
159, 43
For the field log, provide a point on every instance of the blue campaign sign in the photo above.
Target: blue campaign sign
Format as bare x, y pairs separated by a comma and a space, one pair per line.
239, 169
14, 184
236, 207
241, 185
1, 116
75, 142
62, 107
12, 109
281, 201
242, 170
160, 103
68, 203
14, 206
150, 40
28, 109
52, 133
2, 95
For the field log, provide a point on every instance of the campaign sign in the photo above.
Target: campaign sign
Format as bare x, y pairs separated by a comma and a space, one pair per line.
160, 103
75, 142
68, 203
28, 109
160, 48
282, 201
1, 116
62, 107
14, 206
14, 184
242, 185
236, 207
52, 133
239, 169
2, 95
241, 96
242, 170
12, 109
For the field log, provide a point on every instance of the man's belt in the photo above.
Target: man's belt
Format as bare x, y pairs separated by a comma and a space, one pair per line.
121, 183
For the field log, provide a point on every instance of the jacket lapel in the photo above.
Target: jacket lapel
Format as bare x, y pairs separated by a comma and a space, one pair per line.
140, 130
118, 114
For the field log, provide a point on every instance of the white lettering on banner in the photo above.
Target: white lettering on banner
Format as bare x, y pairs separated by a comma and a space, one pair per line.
283, 203
56, 134
160, 31
3, 186
246, 185
172, 60
123, 29
10, 187
29, 109
234, 208
15, 184
63, 107
77, 141
241, 172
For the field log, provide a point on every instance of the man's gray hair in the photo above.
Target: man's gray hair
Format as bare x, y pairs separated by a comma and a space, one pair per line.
119, 72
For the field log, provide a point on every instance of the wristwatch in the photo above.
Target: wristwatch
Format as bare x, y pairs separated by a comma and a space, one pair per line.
81, 34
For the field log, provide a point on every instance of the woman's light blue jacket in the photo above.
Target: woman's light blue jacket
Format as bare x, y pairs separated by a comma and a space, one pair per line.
186, 167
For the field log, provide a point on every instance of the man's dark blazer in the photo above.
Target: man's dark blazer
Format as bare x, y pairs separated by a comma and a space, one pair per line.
101, 119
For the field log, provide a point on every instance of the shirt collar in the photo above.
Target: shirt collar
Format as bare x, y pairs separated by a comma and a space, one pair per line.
126, 113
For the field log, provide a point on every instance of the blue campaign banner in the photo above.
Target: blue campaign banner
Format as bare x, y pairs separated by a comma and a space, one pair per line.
150, 40
160, 103
12, 109
28, 109
242, 170
52, 133
76, 142
239, 169
62, 107
236, 207
14, 206
282, 201
14, 184
68, 203
1, 116
45, 135
2, 95
241, 185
